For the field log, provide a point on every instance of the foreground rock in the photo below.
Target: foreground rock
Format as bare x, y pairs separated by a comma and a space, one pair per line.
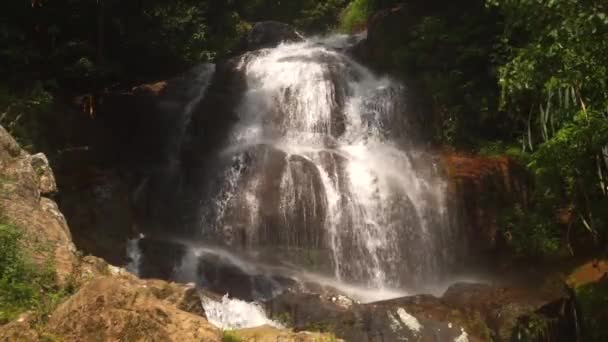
466, 312
123, 308
270, 334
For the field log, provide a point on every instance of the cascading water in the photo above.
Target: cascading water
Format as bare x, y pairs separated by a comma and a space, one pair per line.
323, 171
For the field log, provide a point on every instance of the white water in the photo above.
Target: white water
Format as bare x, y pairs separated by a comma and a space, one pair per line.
235, 314
323, 159
187, 273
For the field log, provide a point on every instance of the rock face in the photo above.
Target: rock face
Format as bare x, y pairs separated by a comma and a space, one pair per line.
480, 188
115, 185
24, 181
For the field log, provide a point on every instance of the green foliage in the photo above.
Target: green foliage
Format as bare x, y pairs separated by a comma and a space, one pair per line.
593, 301
23, 286
554, 80
355, 15
501, 148
529, 233
230, 336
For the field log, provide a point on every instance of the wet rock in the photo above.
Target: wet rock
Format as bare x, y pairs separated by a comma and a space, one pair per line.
477, 312
160, 258
99, 211
420, 318
479, 188
385, 31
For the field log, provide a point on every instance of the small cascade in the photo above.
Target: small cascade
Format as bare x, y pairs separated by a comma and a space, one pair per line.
235, 314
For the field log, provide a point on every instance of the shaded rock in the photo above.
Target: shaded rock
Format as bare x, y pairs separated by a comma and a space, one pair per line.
387, 31
268, 34
160, 258
97, 206
508, 310
114, 188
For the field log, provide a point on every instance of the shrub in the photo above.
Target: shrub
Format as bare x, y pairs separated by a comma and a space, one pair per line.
355, 15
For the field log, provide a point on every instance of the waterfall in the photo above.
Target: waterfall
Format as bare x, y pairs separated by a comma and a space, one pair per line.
324, 170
